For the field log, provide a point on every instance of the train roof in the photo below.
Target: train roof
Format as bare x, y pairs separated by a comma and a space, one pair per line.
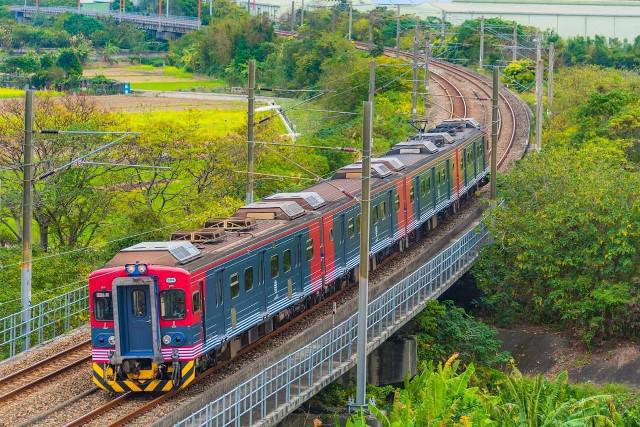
257, 223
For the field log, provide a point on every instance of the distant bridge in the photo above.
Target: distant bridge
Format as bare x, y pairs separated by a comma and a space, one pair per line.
166, 27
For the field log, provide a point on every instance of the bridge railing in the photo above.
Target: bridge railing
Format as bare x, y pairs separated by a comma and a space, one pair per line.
278, 389
49, 319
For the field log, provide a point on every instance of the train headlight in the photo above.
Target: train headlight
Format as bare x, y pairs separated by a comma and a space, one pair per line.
130, 268
112, 340
166, 340
142, 268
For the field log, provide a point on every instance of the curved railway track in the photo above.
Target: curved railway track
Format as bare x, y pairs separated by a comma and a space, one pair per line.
111, 413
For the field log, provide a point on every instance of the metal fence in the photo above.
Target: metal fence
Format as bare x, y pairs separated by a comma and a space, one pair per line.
283, 386
49, 319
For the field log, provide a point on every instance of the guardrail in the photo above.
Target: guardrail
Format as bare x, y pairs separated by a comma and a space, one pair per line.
49, 319
278, 389
186, 23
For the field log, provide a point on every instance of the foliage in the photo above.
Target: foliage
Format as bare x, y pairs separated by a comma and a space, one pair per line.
519, 75
567, 236
443, 329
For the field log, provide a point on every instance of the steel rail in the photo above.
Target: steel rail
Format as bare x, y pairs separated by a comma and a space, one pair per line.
43, 364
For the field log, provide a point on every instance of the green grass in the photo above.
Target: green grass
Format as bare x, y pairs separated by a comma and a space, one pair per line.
167, 70
195, 85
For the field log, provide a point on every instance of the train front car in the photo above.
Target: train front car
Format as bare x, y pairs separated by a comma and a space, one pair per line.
145, 319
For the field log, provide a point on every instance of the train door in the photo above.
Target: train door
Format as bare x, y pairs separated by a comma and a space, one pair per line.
136, 318
242, 298
339, 243
214, 306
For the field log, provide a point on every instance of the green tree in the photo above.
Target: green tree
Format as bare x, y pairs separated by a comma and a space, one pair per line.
519, 75
68, 60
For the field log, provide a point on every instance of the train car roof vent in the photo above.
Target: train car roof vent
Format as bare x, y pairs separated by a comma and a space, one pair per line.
231, 224
467, 122
309, 200
354, 171
440, 138
392, 163
182, 251
203, 236
271, 210
415, 147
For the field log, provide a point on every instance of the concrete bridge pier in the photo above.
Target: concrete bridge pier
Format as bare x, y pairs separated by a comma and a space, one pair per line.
390, 363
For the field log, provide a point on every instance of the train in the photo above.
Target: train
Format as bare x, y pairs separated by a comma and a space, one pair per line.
162, 312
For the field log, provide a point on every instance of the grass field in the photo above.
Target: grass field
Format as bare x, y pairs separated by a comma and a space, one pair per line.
195, 85
205, 123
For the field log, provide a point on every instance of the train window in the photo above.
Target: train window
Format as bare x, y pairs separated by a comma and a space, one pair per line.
411, 194
286, 260
358, 224
350, 228
172, 305
195, 302
234, 285
383, 210
423, 187
309, 249
331, 235
248, 279
397, 202
428, 183
376, 214
275, 266
103, 306
139, 303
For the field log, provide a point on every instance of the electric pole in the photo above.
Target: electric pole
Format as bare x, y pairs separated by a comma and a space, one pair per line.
442, 26
293, 16
427, 60
333, 19
27, 214
515, 42
494, 134
350, 18
371, 30
365, 224
414, 93
539, 71
250, 141
167, 9
302, 13
552, 58
481, 59
398, 28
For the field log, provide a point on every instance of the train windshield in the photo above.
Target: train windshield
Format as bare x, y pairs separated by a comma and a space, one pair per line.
172, 306
103, 305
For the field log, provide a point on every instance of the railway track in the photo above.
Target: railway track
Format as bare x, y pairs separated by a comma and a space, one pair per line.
114, 413
31, 376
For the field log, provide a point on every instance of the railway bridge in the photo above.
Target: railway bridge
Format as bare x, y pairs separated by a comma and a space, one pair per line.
165, 27
272, 378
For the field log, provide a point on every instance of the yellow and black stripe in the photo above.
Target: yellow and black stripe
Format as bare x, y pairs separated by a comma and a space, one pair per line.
100, 378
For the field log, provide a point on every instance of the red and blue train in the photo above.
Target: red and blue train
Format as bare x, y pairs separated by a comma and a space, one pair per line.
163, 311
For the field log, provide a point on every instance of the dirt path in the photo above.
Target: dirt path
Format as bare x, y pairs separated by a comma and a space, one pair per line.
548, 352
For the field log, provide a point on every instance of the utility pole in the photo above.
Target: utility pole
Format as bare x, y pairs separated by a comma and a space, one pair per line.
250, 141
539, 71
350, 18
293, 15
515, 42
333, 19
398, 28
210, 7
27, 214
302, 13
481, 59
427, 61
414, 93
371, 30
363, 271
552, 58
494, 134
442, 26
167, 9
